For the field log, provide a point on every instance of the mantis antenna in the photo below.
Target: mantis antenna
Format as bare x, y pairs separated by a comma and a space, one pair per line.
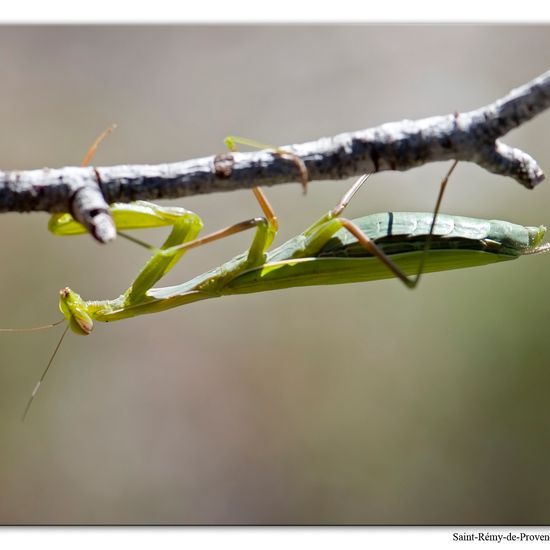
36, 388
33, 329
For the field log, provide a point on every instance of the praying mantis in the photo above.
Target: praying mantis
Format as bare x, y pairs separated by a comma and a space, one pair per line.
333, 250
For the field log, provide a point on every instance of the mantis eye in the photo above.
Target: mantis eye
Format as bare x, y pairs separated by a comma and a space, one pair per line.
74, 309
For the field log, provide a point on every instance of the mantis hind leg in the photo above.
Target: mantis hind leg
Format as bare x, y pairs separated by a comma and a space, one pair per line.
325, 227
369, 245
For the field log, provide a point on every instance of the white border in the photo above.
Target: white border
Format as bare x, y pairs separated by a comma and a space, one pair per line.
280, 11
266, 538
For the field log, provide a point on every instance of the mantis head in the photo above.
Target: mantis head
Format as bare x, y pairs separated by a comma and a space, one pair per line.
75, 311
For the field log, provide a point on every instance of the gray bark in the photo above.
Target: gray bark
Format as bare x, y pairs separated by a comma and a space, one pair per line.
471, 136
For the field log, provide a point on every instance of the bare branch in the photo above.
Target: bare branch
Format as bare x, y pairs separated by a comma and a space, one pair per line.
471, 137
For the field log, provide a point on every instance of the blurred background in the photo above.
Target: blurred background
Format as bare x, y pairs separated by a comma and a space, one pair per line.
363, 403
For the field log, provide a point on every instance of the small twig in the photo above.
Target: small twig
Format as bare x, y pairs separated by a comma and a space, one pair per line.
471, 137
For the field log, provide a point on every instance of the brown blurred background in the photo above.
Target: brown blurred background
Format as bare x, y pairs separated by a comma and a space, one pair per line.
363, 403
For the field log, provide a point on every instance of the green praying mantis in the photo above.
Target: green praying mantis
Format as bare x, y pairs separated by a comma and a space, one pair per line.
333, 250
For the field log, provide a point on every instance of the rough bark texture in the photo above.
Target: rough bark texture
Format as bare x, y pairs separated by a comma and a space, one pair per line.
471, 136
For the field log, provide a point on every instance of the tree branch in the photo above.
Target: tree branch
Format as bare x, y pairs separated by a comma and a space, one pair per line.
471, 136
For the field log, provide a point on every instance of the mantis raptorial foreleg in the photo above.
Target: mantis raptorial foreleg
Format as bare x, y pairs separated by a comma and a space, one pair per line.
186, 227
